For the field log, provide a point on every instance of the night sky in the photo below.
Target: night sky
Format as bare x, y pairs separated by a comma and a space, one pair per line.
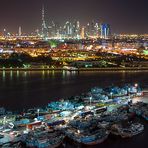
124, 16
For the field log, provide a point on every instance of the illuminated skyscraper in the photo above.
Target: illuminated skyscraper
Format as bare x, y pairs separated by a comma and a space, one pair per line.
57, 29
105, 31
92, 29
44, 27
97, 30
4, 33
68, 29
76, 29
88, 30
37, 32
20, 31
83, 33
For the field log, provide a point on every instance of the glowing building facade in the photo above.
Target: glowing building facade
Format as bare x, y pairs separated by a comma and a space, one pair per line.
105, 31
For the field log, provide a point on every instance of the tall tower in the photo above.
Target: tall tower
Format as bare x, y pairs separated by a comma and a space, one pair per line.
83, 33
68, 29
44, 27
105, 31
4, 33
20, 31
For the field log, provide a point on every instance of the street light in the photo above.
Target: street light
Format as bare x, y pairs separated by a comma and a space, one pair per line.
38, 110
4, 121
111, 95
136, 85
90, 100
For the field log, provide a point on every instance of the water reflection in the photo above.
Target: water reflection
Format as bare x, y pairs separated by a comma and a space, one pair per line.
3, 75
17, 74
48, 72
123, 75
11, 75
43, 74
63, 74
25, 74
53, 72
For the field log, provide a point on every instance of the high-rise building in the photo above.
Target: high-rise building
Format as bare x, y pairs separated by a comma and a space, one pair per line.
76, 29
68, 29
92, 29
44, 26
37, 32
88, 30
20, 31
83, 33
105, 31
97, 30
5, 33
51, 29
57, 29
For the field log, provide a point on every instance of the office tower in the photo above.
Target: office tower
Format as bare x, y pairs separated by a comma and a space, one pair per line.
57, 29
97, 30
68, 29
88, 30
4, 33
105, 31
83, 33
50, 34
20, 31
92, 28
76, 29
51, 29
37, 32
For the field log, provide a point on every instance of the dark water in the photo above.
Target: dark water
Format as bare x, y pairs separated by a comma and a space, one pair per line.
20, 90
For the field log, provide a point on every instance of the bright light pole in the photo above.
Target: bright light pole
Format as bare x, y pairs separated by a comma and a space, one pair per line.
111, 95
4, 121
38, 110
136, 86
90, 100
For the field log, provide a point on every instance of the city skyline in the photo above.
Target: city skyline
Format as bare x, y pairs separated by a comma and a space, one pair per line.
27, 14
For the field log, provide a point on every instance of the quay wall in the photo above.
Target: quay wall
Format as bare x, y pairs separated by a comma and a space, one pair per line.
80, 69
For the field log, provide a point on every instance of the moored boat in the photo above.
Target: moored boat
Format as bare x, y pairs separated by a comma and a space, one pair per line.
89, 137
128, 131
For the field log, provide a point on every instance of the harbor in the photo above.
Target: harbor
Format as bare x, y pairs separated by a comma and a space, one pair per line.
89, 119
73, 74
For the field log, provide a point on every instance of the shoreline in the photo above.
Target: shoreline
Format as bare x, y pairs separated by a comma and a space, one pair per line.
114, 69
